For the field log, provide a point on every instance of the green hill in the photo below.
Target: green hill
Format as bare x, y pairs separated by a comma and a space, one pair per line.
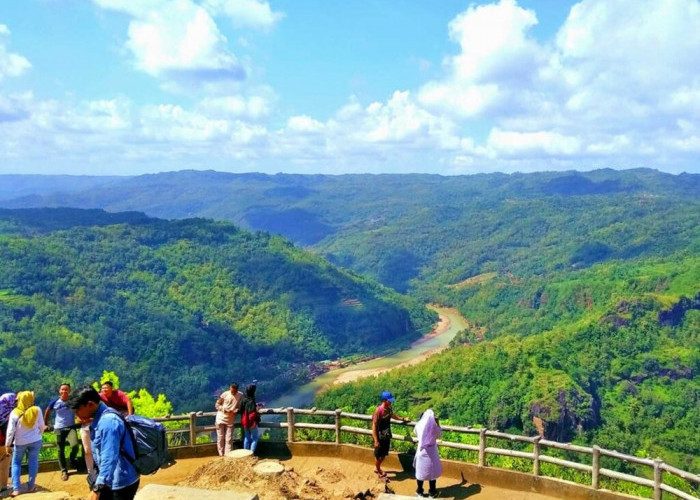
608, 355
180, 307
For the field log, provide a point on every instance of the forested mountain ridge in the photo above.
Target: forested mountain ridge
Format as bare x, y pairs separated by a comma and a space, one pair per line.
412, 231
180, 307
608, 355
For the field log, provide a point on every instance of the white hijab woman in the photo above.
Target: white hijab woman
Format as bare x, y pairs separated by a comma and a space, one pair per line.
427, 461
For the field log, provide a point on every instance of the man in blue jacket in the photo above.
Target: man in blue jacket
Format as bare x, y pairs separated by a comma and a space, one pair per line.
111, 445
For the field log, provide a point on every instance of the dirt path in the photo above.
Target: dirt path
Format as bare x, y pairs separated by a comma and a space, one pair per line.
305, 478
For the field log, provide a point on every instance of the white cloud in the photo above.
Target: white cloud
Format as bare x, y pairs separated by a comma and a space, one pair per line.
617, 86
616, 82
245, 13
11, 64
496, 57
254, 107
531, 144
168, 122
177, 41
304, 124
181, 40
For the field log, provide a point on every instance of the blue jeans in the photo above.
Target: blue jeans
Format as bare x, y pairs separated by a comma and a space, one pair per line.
250, 438
32, 451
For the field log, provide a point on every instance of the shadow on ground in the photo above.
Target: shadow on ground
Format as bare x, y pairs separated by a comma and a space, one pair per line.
458, 491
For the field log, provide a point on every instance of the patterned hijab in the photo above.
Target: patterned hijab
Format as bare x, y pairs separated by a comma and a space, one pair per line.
26, 411
7, 404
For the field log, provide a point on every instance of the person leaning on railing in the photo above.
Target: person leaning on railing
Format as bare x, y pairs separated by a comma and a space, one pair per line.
381, 429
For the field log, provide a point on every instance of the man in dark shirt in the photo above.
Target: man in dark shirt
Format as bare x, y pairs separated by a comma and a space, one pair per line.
381, 430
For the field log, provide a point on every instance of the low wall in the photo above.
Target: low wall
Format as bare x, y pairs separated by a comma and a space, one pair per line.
457, 470
472, 473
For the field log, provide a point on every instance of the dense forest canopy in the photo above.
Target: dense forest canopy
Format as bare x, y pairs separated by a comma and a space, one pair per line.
607, 355
180, 307
580, 288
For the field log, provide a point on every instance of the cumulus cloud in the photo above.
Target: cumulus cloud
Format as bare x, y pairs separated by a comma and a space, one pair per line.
245, 13
255, 107
619, 79
11, 64
497, 57
178, 41
616, 86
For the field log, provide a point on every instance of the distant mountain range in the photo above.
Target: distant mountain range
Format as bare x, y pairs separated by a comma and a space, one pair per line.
411, 231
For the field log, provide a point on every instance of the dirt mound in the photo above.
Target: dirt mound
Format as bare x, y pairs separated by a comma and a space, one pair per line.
328, 483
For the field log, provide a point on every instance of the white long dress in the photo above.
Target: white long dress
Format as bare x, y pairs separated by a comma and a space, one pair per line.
427, 461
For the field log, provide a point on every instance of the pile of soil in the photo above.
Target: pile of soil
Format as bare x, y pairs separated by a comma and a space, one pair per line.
327, 483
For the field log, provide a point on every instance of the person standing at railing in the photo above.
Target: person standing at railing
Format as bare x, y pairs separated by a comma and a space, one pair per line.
381, 429
7, 404
64, 428
226, 409
427, 461
250, 419
24, 431
116, 398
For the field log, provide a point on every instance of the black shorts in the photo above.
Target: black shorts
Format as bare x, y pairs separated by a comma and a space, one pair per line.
382, 450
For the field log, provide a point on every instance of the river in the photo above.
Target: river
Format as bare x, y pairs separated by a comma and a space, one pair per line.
447, 327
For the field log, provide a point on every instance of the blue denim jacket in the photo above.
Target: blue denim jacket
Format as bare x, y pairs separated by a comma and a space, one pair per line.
108, 435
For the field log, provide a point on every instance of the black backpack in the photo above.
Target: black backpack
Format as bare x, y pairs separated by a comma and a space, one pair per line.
150, 444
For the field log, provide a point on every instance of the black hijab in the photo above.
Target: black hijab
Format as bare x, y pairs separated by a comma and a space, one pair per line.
249, 404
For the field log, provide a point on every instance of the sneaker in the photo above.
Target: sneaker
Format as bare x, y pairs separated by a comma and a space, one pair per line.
433, 494
420, 494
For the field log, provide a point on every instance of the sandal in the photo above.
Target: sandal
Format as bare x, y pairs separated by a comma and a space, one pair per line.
64, 476
15, 493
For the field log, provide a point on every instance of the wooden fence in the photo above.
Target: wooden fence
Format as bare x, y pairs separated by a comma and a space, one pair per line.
658, 469
286, 418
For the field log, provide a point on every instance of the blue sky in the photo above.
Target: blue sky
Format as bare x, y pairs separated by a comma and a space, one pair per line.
326, 86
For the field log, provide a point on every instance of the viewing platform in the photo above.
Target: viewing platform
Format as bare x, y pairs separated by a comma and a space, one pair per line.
327, 452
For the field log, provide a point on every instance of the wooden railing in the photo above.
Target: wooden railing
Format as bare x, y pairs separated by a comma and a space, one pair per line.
659, 470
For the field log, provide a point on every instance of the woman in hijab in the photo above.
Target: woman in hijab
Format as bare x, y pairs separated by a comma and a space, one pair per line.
427, 461
250, 418
24, 432
7, 404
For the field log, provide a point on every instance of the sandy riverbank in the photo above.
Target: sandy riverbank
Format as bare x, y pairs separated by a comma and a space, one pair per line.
441, 327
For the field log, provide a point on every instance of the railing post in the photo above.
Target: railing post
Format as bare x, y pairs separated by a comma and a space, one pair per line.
193, 428
338, 411
290, 425
536, 456
482, 447
658, 478
595, 468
